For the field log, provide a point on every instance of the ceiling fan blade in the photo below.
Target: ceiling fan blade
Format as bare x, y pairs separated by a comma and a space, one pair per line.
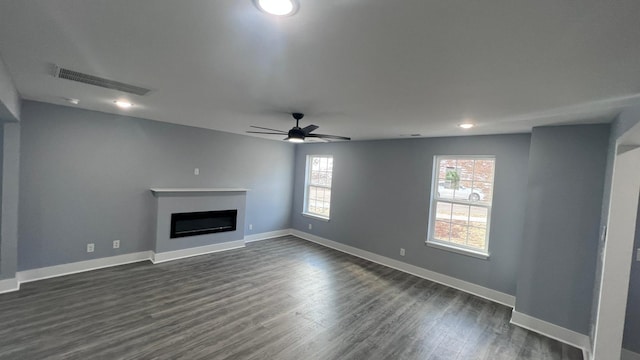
320, 139
324, 136
264, 128
264, 132
307, 129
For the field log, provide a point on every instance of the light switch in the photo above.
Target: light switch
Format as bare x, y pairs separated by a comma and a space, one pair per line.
196, 171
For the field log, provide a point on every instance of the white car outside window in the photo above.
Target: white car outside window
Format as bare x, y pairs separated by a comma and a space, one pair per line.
461, 193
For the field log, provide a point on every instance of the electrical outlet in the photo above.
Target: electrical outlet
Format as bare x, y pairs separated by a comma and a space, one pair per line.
310, 226
91, 247
196, 171
250, 226
116, 244
401, 251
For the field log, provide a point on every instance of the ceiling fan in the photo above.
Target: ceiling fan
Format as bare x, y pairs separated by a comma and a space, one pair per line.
298, 134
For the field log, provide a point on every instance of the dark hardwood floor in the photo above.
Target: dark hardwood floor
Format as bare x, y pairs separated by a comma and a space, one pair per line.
277, 299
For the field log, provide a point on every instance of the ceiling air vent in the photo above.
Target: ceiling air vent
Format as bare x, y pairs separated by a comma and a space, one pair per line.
63, 73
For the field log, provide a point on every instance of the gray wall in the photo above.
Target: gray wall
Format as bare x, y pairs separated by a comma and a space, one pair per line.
3, 274
566, 180
9, 98
9, 205
85, 178
380, 202
9, 158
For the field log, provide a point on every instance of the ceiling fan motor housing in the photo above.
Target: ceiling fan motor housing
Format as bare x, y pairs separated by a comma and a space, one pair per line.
296, 133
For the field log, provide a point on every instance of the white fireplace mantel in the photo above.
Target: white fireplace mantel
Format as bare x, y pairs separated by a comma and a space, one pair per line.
169, 201
186, 191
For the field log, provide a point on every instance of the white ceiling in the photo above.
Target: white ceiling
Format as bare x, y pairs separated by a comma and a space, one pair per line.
368, 69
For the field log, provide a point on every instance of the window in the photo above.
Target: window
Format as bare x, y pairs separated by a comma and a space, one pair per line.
462, 194
317, 197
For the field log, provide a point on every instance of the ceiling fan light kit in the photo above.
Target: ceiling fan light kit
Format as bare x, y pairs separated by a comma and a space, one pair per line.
295, 135
277, 7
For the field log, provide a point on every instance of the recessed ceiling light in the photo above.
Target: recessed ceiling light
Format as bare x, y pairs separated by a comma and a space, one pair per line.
278, 7
466, 125
123, 104
72, 101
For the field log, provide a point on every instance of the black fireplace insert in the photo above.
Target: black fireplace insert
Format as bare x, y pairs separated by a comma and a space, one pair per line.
204, 222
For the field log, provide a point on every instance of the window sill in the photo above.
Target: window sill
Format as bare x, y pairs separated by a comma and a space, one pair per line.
314, 216
458, 250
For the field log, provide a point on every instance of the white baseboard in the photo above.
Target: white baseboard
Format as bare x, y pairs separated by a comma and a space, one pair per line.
552, 331
81, 266
629, 355
157, 258
267, 235
481, 291
9, 285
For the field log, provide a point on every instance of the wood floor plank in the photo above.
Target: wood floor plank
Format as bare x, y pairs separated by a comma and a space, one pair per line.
283, 298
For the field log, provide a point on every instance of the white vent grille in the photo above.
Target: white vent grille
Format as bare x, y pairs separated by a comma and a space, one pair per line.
63, 73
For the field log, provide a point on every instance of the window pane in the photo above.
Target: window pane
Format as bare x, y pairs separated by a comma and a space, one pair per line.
484, 170
312, 206
442, 230
443, 211
479, 217
323, 209
460, 214
463, 191
477, 237
323, 164
465, 169
319, 193
484, 191
315, 163
459, 234
327, 195
444, 190
323, 178
314, 178
445, 167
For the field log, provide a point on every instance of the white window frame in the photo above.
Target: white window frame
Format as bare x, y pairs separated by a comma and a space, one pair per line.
447, 245
307, 185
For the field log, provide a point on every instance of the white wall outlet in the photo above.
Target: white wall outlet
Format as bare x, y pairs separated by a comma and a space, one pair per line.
250, 226
401, 251
91, 247
116, 244
310, 226
196, 171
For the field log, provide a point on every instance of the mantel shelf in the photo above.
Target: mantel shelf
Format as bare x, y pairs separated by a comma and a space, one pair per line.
169, 191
